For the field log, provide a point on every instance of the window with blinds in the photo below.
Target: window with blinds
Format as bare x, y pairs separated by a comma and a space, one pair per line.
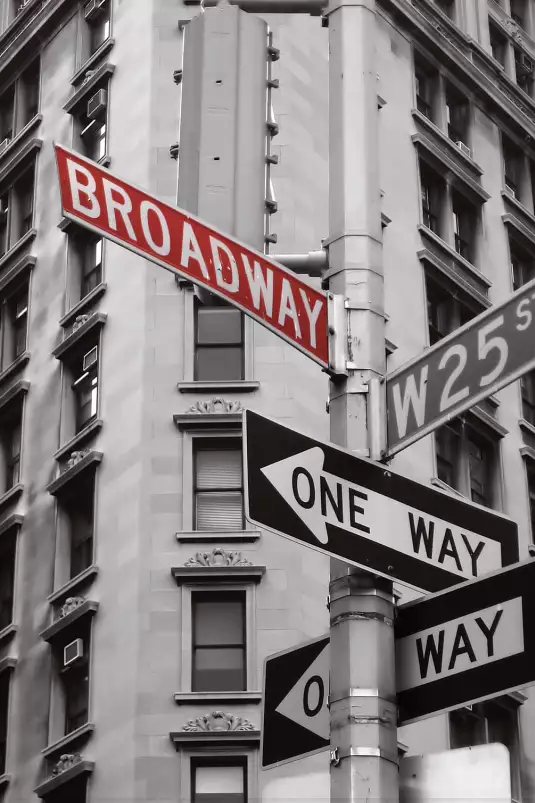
218, 781
218, 489
218, 648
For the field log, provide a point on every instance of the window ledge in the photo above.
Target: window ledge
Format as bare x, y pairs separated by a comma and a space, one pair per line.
17, 365
81, 437
7, 634
90, 460
489, 421
103, 50
438, 483
11, 149
23, 154
9, 257
59, 745
526, 426
201, 697
458, 279
82, 580
15, 520
96, 320
8, 664
50, 785
185, 739
5, 779
20, 387
200, 386
465, 183
104, 71
221, 536
83, 304
218, 574
463, 263
87, 608
447, 142
190, 421
19, 268
527, 453
11, 496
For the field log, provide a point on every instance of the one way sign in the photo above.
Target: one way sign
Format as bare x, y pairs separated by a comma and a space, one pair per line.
466, 644
295, 720
361, 511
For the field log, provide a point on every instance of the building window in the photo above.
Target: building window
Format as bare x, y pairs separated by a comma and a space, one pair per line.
87, 259
74, 676
13, 325
426, 78
11, 443
527, 387
218, 780
513, 160
486, 723
432, 189
498, 44
16, 209
19, 104
219, 341
530, 469
7, 579
5, 678
218, 648
447, 6
522, 266
464, 227
7, 113
78, 515
445, 311
97, 17
85, 388
92, 124
457, 117
523, 70
518, 12
218, 490
467, 460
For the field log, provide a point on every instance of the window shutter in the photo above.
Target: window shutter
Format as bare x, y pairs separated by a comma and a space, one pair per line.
219, 469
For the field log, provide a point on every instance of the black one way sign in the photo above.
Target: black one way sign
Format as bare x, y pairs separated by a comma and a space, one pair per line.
361, 511
466, 644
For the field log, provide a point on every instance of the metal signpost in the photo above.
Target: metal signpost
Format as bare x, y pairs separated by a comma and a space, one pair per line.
472, 363
467, 644
295, 720
172, 238
360, 511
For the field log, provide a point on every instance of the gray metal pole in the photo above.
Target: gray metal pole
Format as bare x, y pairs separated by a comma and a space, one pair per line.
362, 695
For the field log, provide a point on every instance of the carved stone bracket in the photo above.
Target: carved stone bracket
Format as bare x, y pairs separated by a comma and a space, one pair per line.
75, 458
218, 557
66, 761
70, 605
216, 406
80, 320
218, 721
514, 30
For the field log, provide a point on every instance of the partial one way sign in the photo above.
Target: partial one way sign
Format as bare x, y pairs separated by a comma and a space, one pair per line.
466, 644
469, 365
295, 721
361, 511
274, 296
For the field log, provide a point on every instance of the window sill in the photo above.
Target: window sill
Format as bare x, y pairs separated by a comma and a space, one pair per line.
7, 634
82, 581
527, 453
445, 141
15, 273
230, 386
443, 162
8, 664
217, 574
59, 626
15, 520
83, 304
11, 496
62, 778
11, 149
18, 389
519, 217
192, 421
58, 747
201, 697
5, 779
27, 152
103, 50
221, 536
105, 71
526, 426
463, 263
9, 257
491, 424
80, 438
90, 460
96, 320
445, 487
16, 366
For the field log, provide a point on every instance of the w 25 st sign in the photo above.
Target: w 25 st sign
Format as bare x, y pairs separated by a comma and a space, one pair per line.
486, 354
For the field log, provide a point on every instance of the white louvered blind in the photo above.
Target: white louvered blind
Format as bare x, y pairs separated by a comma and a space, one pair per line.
218, 486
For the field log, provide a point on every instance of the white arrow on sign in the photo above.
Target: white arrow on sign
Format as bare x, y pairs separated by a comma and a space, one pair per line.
320, 498
307, 701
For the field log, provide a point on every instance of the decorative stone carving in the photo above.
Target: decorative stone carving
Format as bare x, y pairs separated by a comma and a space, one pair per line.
66, 761
217, 405
80, 320
89, 74
70, 604
218, 721
75, 457
218, 557
177, 76
513, 29
173, 150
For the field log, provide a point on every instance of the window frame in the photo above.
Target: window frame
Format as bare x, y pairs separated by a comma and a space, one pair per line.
11, 401
85, 53
230, 751
242, 646
199, 310
215, 490
210, 761
12, 547
18, 87
12, 226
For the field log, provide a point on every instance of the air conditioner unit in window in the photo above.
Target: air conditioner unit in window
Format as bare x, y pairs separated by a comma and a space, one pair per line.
524, 65
463, 147
96, 106
94, 8
73, 652
90, 358
5, 142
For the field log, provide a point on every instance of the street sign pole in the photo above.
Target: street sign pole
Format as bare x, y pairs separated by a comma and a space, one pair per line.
362, 694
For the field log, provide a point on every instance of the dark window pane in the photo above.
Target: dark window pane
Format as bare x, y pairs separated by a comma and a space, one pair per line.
7, 105
76, 689
30, 93
219, 669
86, 390
91, 266
4, 710
218, 641
218, 782
220, 623
447, 449
218, 342
479, 457
7, 580
218, 364
219, 325
466, 729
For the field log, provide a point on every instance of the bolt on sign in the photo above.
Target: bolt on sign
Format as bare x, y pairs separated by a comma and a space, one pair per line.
172, 238
484, 355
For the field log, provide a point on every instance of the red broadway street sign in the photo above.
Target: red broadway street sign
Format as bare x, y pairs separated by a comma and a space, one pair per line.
180, 242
